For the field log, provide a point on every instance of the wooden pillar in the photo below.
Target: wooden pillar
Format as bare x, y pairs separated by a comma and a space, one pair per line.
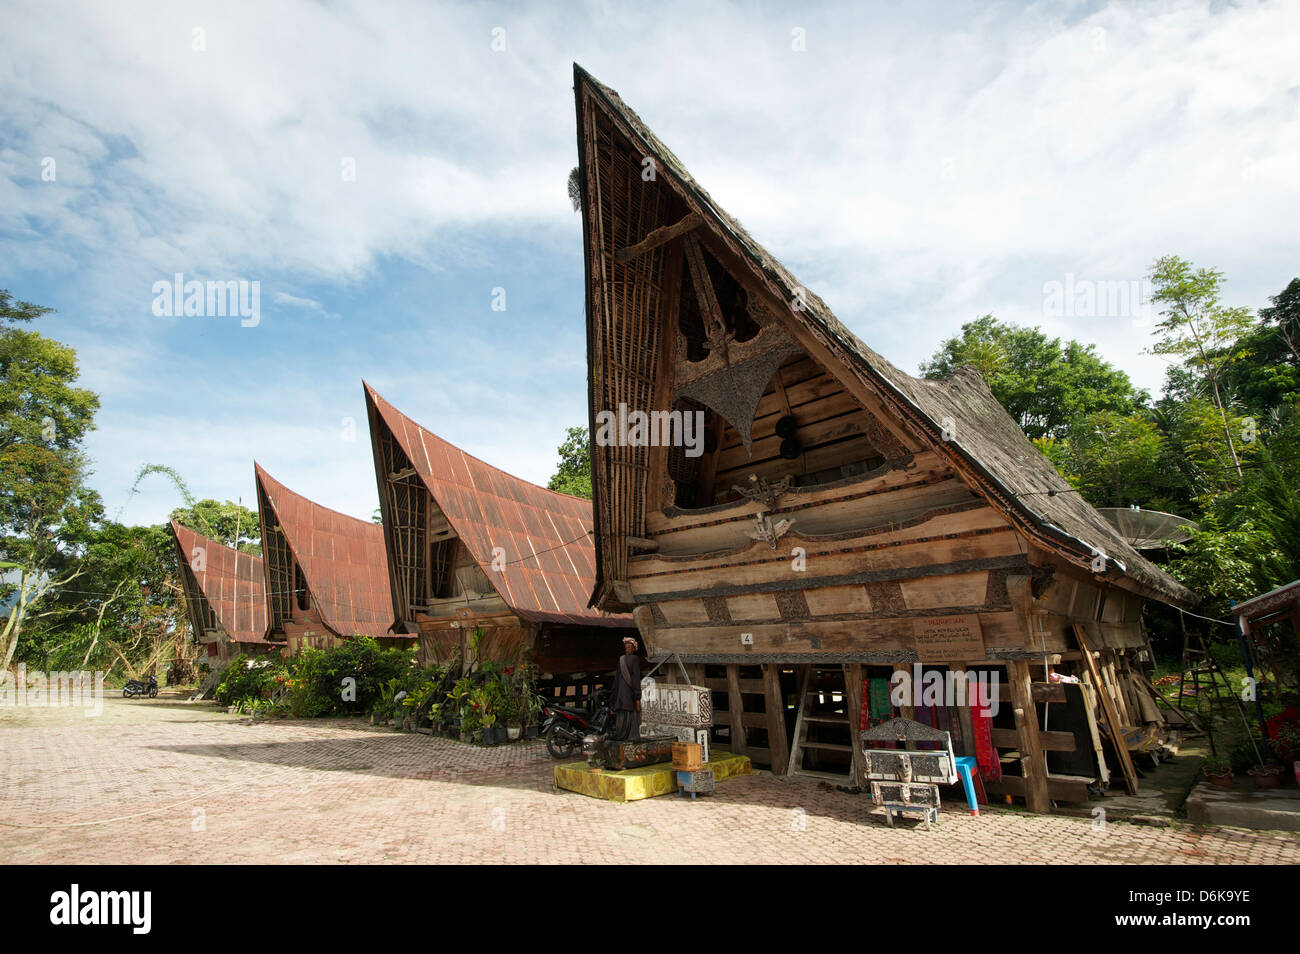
774, 703
1032, 767
853, 709
907, 712
736, 709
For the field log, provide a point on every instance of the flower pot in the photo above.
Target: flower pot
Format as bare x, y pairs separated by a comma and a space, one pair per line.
466, 737
500, 733
513, 732
530, 732
487, 736
1266, 776
1218, 779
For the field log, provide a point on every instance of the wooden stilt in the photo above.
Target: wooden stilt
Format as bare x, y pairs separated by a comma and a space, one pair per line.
907, 712
1032, 767
853, 709
736, 709
774, 702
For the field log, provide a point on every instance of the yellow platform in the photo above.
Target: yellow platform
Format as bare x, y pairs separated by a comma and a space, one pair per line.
631, 785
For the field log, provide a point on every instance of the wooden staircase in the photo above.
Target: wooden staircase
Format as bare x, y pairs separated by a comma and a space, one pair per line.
825, 726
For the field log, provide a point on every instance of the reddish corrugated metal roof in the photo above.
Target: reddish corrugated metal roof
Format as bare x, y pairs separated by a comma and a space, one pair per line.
549, 556
342, 558
232, 582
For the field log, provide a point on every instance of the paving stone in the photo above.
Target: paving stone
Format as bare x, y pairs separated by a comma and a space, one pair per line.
191, 784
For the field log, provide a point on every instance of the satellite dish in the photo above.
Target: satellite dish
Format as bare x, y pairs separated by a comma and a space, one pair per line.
1148, 529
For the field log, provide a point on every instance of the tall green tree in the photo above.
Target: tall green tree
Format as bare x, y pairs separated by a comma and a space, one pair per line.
47, 511
1199, 329
1044, 384
573, 475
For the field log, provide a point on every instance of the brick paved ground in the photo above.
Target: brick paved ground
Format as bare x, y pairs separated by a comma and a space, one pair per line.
147, 773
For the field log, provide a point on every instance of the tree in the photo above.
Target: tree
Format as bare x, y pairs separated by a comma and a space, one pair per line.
229, 523
574, 473
1198, 328
1113, 459
1043, 384
47, 512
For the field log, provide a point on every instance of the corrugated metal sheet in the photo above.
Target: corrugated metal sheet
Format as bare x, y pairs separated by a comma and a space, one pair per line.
549, 557
342, 558
233, 583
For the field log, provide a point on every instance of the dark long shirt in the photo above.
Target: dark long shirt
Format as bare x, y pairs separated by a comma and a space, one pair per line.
626, 695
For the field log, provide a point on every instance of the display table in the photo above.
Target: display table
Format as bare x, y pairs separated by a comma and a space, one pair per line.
631, 785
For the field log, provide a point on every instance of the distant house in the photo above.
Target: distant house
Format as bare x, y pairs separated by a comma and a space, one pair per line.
841, 521
225, 596
472, 548
326, 573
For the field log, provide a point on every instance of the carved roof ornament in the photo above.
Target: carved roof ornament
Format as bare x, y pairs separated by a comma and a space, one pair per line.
761, 491
769, 532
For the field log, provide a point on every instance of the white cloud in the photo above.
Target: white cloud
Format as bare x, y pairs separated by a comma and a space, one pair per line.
916, 167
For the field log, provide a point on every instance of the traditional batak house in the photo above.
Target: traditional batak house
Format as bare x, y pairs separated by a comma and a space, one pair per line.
840, 520
225, 596
326, 572
472, 548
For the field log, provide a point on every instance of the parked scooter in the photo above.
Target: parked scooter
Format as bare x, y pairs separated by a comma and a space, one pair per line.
564, 727
139, 687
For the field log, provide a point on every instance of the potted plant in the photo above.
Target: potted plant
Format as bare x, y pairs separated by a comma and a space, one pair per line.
1266, 776
1218, 771
488, 735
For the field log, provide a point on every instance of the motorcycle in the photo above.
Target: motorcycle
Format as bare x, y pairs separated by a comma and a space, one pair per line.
564, 727
139, 687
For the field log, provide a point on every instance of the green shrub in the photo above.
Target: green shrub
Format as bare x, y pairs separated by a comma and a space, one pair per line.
246, 679
319, 678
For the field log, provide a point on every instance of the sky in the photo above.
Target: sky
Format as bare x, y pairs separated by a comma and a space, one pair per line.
392, 174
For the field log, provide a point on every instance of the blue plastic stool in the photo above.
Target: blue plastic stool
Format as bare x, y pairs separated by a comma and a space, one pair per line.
967, 766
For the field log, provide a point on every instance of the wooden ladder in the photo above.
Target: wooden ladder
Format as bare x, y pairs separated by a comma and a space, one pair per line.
818, 687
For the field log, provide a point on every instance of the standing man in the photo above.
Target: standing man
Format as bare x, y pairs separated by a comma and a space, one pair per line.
627, 694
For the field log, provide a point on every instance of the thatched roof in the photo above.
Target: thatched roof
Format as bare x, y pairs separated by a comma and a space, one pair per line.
549, 561
1011, 471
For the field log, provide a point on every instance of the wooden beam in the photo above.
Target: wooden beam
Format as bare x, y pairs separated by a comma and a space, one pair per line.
736, 709
1048, 741
1032, 768
1113, 725
660, 236
853, 710
774, 703
907, 712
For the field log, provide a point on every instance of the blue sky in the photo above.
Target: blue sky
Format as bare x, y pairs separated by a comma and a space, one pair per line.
916, 166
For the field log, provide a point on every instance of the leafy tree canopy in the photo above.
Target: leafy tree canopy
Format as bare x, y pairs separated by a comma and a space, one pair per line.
1043, 384
573, 476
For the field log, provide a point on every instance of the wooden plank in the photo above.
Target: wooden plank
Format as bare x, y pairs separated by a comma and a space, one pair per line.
1032, 767
1048, 692
659, 236
774, 703
1113, 724
853, 709
1090, 710
1049, 741
736, 709
907, 712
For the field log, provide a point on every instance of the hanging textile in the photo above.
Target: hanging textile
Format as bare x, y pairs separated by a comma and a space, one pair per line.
982, 725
